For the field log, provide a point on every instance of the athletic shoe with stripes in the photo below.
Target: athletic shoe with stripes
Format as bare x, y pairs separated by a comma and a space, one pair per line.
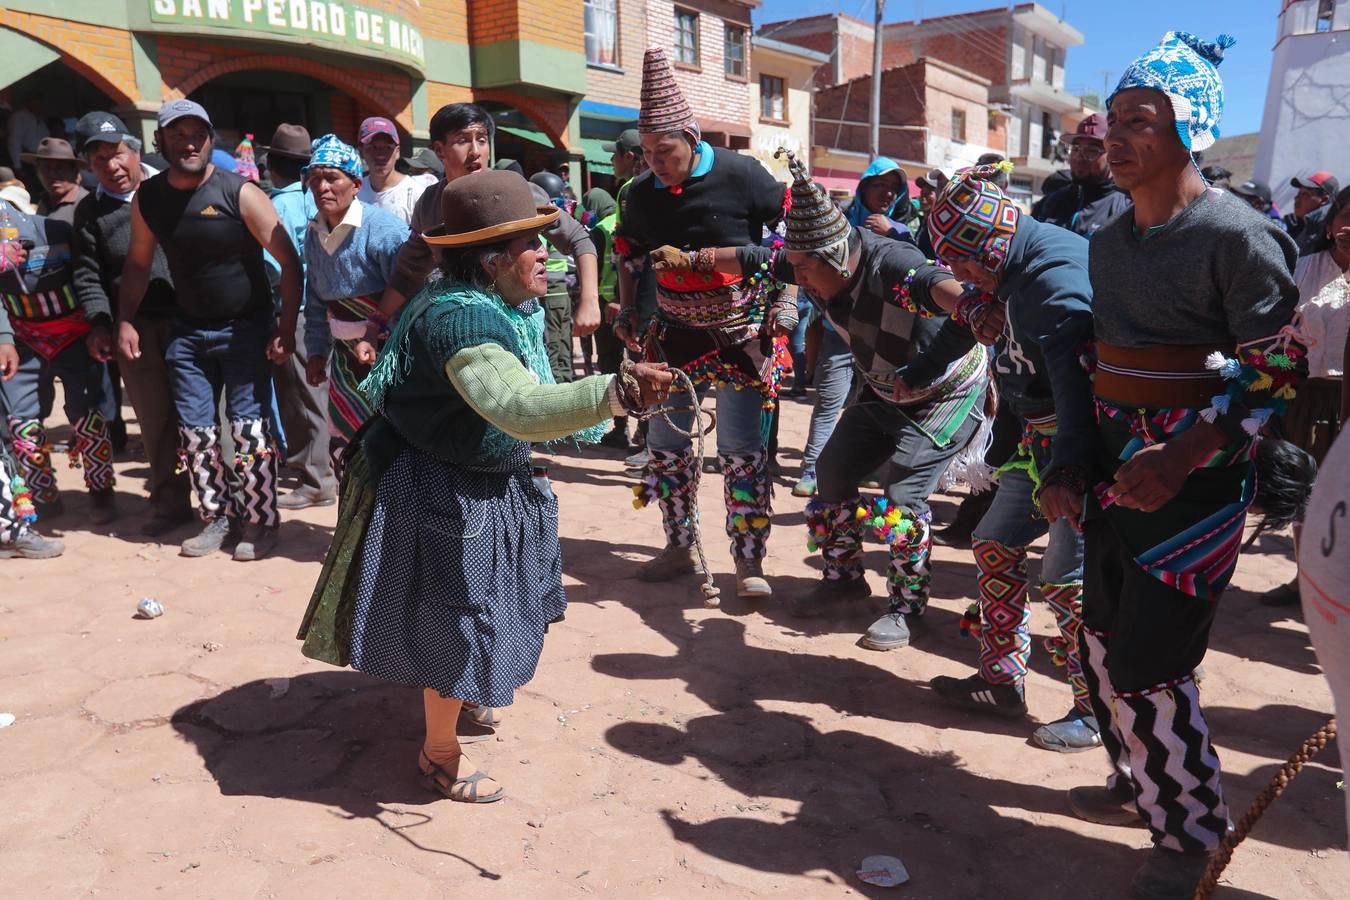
976, 694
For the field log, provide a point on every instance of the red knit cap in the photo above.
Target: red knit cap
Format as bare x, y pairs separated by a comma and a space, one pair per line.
664, 108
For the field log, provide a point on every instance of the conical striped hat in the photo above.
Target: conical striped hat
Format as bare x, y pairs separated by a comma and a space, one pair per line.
664, 108
815, 224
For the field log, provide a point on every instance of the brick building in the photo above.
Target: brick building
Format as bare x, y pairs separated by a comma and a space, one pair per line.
782, 88
932, 114
325, 63
1019, 50
707, 40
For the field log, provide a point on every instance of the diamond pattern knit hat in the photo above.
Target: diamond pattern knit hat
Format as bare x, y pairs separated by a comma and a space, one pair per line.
815, 224
973, 219
664, 108
1185, 69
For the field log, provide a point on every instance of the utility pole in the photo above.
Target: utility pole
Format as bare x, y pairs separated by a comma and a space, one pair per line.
877, 33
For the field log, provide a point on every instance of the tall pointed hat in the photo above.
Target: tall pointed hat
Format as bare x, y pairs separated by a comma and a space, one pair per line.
815, 224
664, 108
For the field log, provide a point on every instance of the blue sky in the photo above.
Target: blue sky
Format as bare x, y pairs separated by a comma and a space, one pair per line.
1114, 34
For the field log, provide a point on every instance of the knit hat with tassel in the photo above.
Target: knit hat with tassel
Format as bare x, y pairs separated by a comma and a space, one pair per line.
815, 224
664, 108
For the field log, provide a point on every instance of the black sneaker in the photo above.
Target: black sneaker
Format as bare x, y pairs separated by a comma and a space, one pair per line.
1284, 595
1169, 875
977, 695
161, 524
828, 596
616, 438
1073, 733
890, 632
1106, 805
255, 542
968, 515
102, 507
207, 541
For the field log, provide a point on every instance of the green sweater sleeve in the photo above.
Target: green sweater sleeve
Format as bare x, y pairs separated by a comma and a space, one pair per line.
500, 389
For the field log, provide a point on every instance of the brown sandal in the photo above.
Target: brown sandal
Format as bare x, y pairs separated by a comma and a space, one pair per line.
468, 784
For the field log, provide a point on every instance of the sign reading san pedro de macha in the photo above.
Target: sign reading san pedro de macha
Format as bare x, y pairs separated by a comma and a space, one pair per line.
324, 21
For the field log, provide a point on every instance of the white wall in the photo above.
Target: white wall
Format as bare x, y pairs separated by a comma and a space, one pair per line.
1307, 114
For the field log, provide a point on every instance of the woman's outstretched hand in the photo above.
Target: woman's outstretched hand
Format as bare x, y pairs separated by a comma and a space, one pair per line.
654, 380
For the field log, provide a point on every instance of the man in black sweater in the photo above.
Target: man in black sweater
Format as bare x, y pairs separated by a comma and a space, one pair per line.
1092, 199
102, 236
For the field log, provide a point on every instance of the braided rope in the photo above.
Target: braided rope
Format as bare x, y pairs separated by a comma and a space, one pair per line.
1319, 739
711, 595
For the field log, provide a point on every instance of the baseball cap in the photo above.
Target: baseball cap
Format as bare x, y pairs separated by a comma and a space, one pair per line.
629, 141
1322, 181
1253, 189
100, 126
933, 179
1092, 128
174, 110
377, 125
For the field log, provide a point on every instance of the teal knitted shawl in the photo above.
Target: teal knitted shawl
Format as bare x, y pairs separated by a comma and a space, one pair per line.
395, 358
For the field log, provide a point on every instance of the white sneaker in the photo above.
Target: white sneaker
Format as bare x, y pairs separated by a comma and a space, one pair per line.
638, 460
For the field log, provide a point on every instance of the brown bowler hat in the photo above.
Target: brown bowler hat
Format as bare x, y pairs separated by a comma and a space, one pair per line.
54, 149
487, 207
290, 141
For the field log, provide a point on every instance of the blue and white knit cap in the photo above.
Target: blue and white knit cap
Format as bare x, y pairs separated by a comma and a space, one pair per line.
331, 152
1185, 69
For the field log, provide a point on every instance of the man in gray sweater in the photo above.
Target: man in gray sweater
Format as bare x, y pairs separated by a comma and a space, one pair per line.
1193, 294
102, 236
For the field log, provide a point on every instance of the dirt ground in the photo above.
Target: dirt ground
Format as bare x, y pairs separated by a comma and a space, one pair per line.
662, 750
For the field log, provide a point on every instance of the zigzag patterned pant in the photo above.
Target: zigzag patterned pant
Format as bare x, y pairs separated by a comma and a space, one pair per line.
749, 493
254, 500
837, 532
12, 527
909, 573
1140, 643
91, 450
669, 481
1005, 638
33, 456
1005, 635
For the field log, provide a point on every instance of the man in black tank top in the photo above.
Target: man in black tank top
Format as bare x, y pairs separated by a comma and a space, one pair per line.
213, 226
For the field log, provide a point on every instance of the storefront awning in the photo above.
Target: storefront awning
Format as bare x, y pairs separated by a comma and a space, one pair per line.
526, 134
597, 160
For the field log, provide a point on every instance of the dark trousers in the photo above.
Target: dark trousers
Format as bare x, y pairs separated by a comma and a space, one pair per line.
230, 357
558, 336
147, 385
609, 350
304, 418
1141, 640
872, 433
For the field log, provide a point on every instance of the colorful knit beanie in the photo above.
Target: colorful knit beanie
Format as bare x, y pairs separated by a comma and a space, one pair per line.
1184, 68
331, 152
973, 219
664, 108
815, 224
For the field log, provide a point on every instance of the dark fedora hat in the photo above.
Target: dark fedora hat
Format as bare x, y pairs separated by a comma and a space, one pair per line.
487, 207
53, 149
290, 141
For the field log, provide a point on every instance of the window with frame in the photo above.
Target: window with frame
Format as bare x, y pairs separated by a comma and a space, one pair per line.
735, 51
959, 125
602, 32
1326, 12
686, 37
772, 102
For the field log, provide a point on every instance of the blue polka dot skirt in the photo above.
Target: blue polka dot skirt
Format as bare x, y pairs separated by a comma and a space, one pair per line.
461, 572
